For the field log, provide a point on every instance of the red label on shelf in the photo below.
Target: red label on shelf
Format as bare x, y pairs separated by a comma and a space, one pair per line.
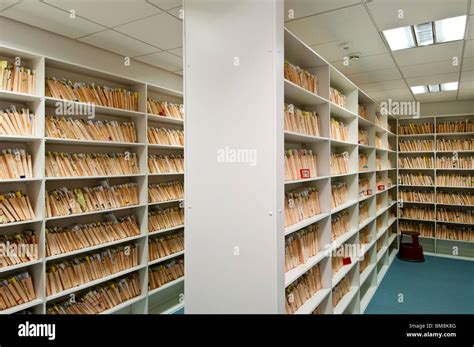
346, 261
380, 187
305, 173
369, 191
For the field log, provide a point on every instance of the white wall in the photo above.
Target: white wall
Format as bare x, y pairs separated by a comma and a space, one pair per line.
28, 38
447, 108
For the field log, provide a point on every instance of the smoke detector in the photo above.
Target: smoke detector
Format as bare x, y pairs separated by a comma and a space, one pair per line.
354, 56
346, 47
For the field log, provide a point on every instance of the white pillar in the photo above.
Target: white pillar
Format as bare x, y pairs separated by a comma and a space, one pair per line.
234, 156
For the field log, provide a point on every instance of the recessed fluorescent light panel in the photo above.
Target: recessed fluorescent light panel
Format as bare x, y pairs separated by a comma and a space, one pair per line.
399, 38
445, 30
424, 34
449, 86
419, 89
450, 29
434, 88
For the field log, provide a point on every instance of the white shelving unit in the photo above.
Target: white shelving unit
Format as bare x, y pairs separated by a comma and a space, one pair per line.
382, 222
42, 105
436, 245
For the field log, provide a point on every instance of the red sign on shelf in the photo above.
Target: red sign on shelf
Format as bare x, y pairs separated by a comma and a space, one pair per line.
380, 187
305, 173
346, 261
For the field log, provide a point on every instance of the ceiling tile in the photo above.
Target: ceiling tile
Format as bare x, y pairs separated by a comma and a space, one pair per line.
177, 51
162, 30
304, 8
467, 76
394, 94
166, 4
176, 12
469, 49
7, 3
118, 43
427, 54
433, 79
163, 60
108, 12
436, 97
466, 88
386, 12
368, 63
383, 85
50, 18
379, 99
470, 28
468, 64
467, 94
331, 51
328, 32
438, 67
375, 76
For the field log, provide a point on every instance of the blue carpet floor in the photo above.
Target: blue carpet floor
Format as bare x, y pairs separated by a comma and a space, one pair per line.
438, 285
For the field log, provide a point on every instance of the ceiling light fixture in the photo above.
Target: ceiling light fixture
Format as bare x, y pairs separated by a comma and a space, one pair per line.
399, 38
419, 89
435, 88
450, 29
424, 34
449, 86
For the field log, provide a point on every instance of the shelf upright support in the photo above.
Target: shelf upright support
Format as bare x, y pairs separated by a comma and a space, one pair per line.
233, 82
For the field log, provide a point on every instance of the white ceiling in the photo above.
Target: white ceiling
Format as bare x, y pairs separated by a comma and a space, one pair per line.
146, 30
328, 25
150, 31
